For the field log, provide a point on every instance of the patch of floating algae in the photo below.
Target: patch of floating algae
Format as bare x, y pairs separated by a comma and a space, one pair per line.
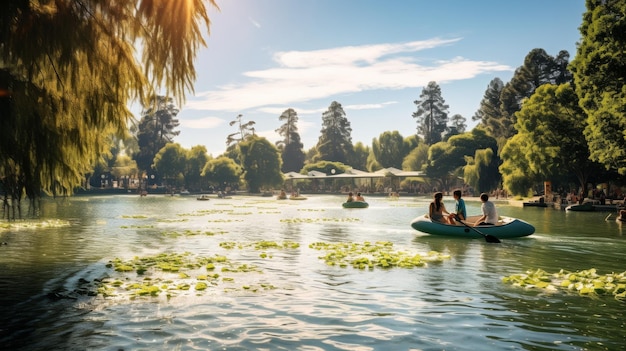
584, 283
172, 274
373, 255
33, 224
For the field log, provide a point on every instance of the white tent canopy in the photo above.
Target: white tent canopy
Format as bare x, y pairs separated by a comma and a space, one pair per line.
355, 173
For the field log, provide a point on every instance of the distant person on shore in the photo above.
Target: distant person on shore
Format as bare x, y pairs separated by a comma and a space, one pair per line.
460, 213
359, 197
490, 215
437, 209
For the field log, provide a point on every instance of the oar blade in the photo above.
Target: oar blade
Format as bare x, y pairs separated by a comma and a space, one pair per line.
492, 239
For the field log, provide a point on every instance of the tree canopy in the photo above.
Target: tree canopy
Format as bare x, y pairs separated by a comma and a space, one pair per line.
335, 141
261, 163
600, 76
291, 145
156, 129
69, 70
549, 137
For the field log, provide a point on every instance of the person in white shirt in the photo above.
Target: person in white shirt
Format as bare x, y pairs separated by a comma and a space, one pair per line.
490, 215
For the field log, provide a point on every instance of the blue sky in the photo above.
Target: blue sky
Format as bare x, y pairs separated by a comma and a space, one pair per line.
373, 57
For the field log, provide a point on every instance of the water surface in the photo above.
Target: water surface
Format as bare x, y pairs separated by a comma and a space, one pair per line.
459, 303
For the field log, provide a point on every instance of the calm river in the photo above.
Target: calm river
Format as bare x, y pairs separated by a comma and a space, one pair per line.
252, 280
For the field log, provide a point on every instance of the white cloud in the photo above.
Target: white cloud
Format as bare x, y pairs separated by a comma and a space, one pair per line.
369, 106
308, 75
202, 123
254, 22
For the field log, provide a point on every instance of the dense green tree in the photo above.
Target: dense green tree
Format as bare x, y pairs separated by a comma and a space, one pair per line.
600, 74
442, 164
290, 146
389, 149
69, 70
416, 159
335, 141
432, 114
372, 164
156, 129
222, 172
550, 129
457, 126
447, 159
539, 68
481, 171
244, 130
261, 163
489, 113
195, 160
359, 157
517, 178
170, 163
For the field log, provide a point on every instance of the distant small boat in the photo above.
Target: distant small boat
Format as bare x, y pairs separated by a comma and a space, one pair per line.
535, 204
355, 204
297, 198
203, 198
584, 207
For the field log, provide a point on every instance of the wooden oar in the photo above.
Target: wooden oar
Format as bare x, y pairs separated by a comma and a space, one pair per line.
489, 238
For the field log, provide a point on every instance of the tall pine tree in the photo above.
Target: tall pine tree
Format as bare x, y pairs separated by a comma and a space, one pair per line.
335, 142
291, 146
156, 129
432, 114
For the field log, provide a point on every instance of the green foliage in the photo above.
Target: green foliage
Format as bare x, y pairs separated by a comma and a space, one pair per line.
416, 159
360, 156
600, 71
195, 160
489, 113
222, 170
335, 141
291, 146
457, 125
447, 159
389, 149
538, 69
261, 163
480, 170
124, 166
69, 70
244, 130
516, 175
325, 167
170, 161
550, 135
432, 114
442, 162
156, 129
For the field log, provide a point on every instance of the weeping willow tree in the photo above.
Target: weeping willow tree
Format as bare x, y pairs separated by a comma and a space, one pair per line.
68, 71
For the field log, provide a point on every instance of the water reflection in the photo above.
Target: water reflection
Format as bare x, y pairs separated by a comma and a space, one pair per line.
457, 304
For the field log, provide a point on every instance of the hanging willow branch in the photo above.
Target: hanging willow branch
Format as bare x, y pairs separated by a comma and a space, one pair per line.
68, 71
